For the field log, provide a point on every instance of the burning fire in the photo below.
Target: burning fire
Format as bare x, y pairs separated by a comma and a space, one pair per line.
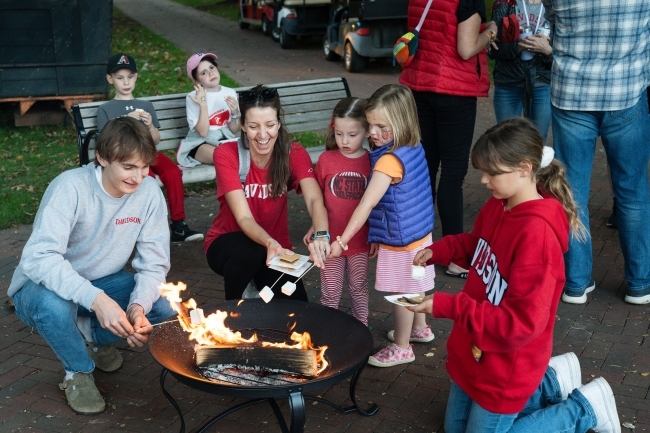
213, 331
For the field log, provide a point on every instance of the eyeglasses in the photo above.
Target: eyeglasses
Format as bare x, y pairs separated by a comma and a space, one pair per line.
266, 93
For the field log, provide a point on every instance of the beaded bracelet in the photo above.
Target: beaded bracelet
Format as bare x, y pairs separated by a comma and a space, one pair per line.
344, 247
492, 36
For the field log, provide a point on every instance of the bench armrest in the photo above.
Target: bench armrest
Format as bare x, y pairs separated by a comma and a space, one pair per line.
83, 150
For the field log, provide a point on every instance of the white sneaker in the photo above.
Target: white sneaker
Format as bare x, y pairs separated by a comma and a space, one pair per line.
567, 371
599, 394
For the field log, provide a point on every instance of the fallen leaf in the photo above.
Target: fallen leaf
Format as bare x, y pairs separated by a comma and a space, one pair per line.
629, 425
428, 354
645, 374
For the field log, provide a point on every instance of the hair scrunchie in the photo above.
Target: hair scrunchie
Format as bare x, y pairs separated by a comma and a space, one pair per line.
547, 156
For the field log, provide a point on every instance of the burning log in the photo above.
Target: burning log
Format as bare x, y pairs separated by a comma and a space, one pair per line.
269, 359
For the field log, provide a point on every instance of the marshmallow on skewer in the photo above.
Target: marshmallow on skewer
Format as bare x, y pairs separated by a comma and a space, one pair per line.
288, 288
197, 316
417, 272
267, 294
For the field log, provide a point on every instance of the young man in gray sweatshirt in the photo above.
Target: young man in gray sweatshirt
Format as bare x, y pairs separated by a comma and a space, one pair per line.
71, 284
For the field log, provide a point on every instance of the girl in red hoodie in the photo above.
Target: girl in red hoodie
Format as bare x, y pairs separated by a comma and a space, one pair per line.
501, 342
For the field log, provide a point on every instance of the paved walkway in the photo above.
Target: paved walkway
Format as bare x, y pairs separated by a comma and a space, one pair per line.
609, 336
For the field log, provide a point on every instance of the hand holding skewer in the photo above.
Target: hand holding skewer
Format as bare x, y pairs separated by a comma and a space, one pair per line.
156, 324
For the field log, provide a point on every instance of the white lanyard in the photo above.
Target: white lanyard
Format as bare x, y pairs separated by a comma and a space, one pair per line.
539, 17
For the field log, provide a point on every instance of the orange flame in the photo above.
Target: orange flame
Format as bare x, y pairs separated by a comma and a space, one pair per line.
213, 331
303, 341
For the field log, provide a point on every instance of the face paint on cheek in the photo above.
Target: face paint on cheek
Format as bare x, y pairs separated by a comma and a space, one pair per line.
384, 133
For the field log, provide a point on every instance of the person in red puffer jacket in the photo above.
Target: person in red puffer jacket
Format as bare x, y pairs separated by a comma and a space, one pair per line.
499, 349
447, 74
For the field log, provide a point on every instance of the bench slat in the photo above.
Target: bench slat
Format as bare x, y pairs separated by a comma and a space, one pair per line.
310, 106
300, 90
169, 104
313, 116
331, 96
178, 122
309, 126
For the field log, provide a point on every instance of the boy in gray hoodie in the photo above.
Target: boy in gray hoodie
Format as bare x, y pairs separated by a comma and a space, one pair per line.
71, 284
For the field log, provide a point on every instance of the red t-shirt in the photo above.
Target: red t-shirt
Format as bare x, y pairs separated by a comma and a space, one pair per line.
270, 214
343, 181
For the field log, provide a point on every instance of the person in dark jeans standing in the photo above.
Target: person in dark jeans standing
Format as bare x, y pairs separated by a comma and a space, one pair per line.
447, 74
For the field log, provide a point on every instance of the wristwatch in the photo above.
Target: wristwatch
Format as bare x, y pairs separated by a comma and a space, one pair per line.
322, 234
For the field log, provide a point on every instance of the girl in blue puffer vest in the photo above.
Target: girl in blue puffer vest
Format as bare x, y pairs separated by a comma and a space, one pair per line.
398, 205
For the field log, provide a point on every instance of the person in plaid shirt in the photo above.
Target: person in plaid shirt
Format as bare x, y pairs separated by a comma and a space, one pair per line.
598, 88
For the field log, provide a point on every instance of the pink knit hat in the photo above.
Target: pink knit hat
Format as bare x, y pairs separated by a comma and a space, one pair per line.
194, 61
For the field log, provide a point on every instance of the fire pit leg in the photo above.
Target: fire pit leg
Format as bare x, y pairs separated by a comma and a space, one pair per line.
163, 374
355, 406
297, 407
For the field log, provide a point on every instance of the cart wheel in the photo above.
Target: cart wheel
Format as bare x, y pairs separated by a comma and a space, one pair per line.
286, 40
353, 61
275, 33
329, 54
266, 26
242, 25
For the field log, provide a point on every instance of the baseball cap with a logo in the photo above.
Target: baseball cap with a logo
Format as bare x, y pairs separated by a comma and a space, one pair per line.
120, 61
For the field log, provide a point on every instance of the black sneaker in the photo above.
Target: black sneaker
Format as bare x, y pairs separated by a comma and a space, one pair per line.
612, 221
182, 233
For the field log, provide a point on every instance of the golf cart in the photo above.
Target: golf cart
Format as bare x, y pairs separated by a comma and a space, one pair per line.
364, 29
294, 18
258, 12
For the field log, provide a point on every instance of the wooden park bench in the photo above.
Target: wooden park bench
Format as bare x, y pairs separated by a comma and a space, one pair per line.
307, 106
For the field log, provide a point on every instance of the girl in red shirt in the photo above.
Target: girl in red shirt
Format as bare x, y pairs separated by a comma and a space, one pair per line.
342, 173
501, 342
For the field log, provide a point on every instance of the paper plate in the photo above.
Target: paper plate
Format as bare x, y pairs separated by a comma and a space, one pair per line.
393, 299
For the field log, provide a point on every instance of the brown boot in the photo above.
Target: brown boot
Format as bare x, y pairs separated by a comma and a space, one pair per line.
82, 394
106, 358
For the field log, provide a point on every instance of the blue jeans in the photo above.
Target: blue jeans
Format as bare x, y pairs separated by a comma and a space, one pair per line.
625, 135
56, 318
545, 412
509, 102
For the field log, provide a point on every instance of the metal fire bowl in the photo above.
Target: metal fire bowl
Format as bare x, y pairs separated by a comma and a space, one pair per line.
349, 344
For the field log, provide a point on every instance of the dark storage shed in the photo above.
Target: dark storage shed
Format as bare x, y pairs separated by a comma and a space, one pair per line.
54, 48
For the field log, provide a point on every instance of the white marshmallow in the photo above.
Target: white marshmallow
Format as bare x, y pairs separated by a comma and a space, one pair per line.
417, 272
267, 294
197, 316
288, 288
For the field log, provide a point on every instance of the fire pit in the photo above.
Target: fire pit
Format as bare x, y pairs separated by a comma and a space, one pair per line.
349, 345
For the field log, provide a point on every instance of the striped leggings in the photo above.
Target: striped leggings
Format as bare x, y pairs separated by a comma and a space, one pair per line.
331, 278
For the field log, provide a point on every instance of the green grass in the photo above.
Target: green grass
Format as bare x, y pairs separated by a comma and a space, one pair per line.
309, 138
228, 9
30, 157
